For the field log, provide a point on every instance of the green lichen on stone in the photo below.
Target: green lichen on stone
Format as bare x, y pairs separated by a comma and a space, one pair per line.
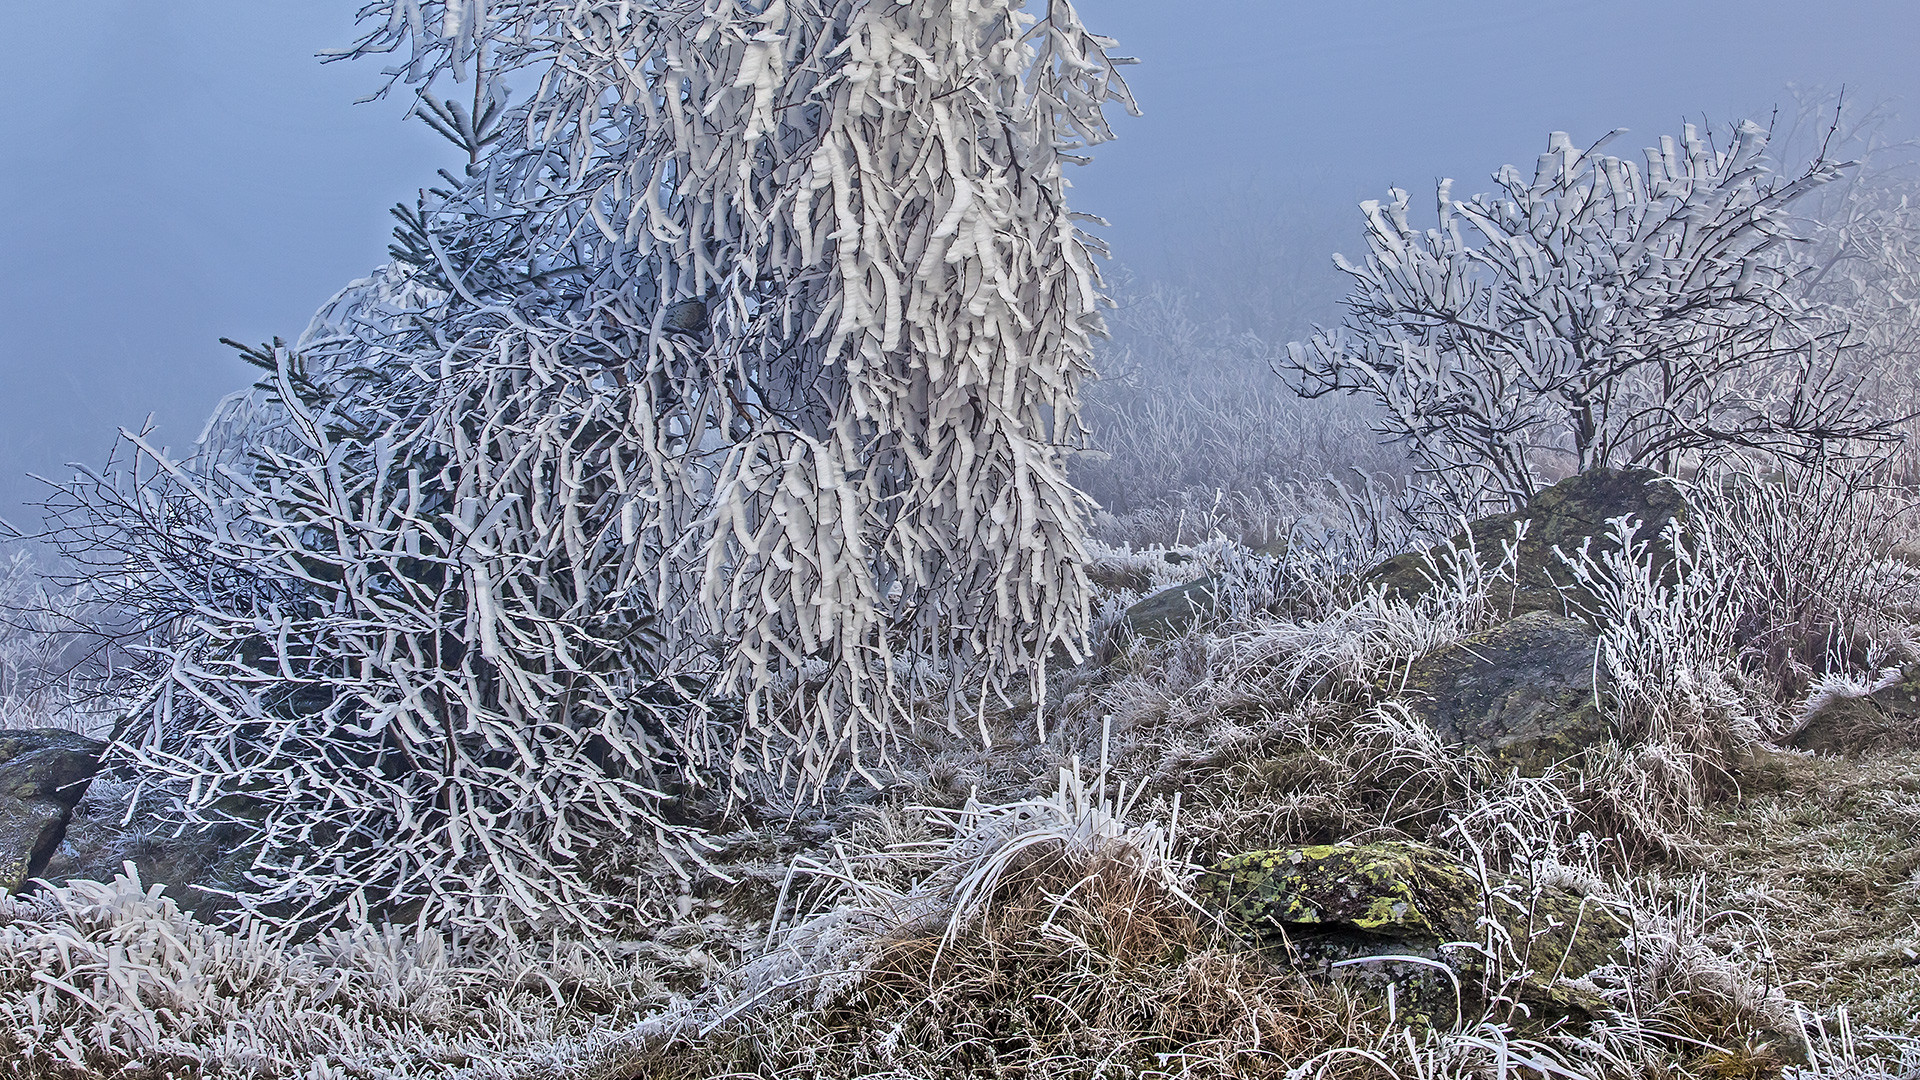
1333, 902
1371, 888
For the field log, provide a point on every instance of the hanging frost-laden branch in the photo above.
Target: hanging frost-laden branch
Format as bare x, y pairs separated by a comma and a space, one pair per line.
819, 254
1602, 313
736, 370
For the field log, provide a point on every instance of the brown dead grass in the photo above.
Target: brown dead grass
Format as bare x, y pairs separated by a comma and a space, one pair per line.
1073, 970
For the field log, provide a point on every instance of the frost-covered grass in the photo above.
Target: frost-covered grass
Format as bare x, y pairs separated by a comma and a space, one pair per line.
114, 980
1024, 906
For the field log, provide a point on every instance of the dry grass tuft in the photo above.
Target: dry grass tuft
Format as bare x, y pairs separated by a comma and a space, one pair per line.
1074, 965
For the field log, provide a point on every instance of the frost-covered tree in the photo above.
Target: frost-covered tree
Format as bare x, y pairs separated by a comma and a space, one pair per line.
714, 411
1601, 313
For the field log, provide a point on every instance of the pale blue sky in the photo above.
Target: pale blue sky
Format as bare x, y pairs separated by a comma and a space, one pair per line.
173, 172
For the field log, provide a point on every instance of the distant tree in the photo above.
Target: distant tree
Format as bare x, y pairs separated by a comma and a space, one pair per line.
1601, 313
736, 368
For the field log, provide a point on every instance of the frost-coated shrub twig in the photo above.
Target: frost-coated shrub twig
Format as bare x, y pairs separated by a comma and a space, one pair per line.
55, 668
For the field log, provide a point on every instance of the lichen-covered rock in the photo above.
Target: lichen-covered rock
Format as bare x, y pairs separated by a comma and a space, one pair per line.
43, 773
1526, 691
1850, 723
1389, 889
1564, 516
1371, 907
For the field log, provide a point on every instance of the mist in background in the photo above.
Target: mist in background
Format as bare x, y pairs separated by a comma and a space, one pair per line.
175, 173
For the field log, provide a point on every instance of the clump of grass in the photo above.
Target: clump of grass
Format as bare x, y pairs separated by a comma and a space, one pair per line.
113, 979
1045, 937
1823, 560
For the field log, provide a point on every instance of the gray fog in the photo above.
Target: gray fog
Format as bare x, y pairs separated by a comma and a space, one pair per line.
177, 172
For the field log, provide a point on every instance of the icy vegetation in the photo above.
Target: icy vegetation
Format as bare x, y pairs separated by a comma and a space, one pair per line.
686, 617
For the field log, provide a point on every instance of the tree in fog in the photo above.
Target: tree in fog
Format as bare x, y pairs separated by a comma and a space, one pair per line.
1601, 313
719, 401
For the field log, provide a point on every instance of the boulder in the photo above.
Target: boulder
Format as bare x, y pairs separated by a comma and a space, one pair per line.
199, 867
1397, 913
1564, 516
1525, 691
43, 774
1170, 612
1844, 723
1173, 611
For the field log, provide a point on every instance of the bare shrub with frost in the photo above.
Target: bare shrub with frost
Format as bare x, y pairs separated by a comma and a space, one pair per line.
1864, 251
736, 366
1602, 313
323, 661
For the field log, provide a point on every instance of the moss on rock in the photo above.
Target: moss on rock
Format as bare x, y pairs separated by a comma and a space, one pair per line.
1394, 899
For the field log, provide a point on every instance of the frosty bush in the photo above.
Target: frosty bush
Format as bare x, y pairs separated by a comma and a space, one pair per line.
1864, 252
1601, 313
740, 358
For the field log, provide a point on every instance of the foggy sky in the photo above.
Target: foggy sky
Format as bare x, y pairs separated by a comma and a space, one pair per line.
175, 171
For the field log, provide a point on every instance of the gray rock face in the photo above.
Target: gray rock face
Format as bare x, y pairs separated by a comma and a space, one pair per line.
1564, 516
1523, 691
43, 774
1170, 612
197, 867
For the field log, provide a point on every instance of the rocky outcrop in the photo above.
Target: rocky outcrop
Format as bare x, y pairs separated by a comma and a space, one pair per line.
43, 774
1171, 612
1526, 691
1568, 514
1398, 912
58, 824
1565, 516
